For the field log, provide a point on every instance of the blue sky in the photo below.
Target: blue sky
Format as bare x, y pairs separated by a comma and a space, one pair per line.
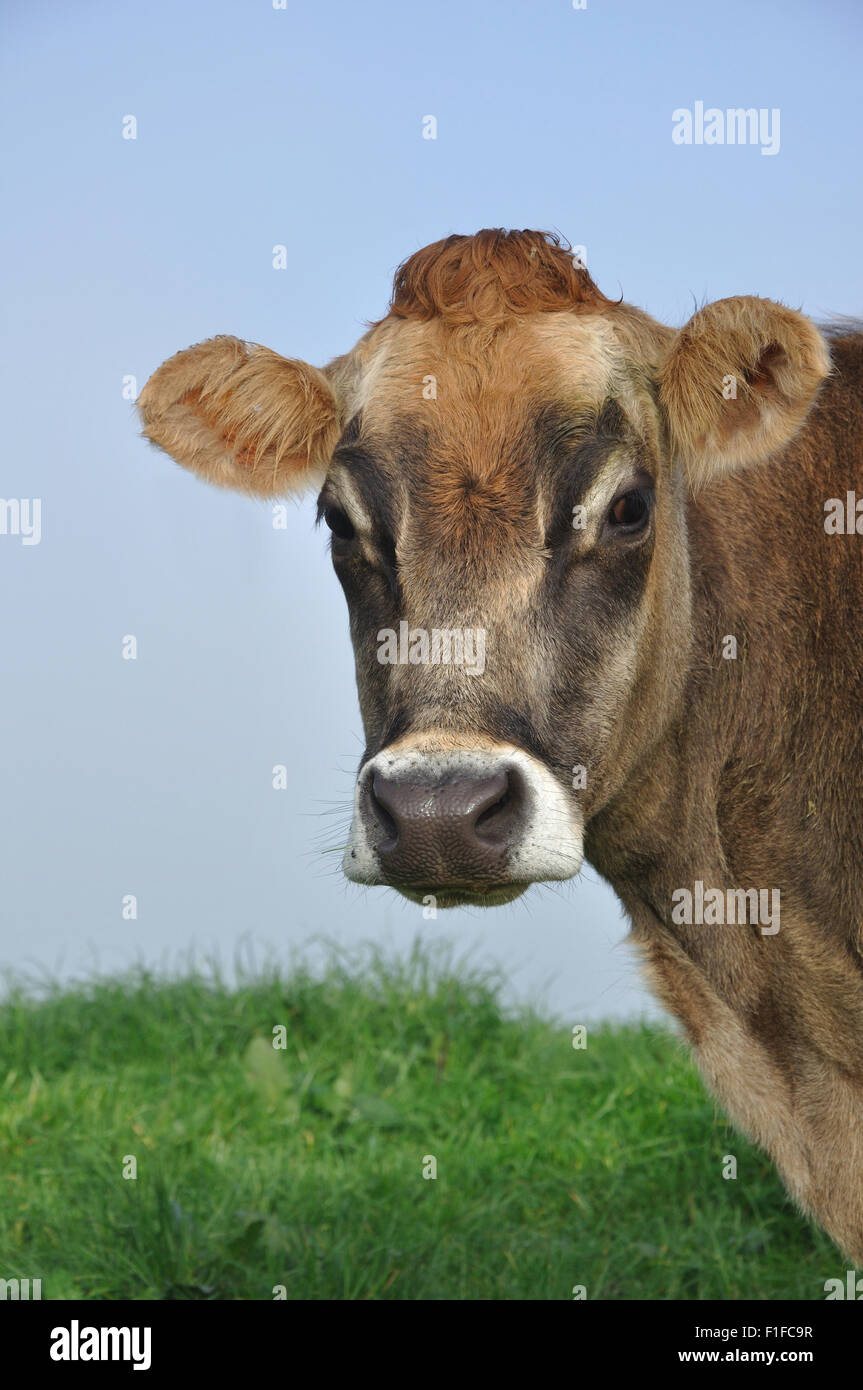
302, 127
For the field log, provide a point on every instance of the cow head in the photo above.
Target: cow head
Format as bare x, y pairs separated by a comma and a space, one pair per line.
504, 463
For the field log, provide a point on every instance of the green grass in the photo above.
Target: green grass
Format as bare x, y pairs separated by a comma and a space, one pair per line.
302, 1167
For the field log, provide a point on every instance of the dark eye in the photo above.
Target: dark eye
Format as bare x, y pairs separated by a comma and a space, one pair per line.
629, 511
339, 523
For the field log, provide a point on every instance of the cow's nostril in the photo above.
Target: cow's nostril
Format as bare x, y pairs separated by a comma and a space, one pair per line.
502, 821
485, 817
386, 822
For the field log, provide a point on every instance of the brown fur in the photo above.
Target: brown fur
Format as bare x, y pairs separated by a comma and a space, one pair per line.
488, 277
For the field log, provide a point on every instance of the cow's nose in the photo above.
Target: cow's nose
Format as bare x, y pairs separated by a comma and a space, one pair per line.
455, 832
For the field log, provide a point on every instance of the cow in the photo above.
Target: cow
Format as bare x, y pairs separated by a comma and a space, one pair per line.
651, 537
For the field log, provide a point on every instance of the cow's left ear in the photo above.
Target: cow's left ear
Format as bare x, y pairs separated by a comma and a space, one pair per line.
737, 383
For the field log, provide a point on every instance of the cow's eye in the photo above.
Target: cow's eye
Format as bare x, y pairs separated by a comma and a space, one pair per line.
339, 523
630, 511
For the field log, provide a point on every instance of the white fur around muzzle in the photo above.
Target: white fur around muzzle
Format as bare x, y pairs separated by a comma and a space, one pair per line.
551, 844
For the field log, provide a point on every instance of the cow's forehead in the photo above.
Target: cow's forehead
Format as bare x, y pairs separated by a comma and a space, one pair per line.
463, 433
450, 427
448, 376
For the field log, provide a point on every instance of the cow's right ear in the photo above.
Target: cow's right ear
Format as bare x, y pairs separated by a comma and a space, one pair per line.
242, 417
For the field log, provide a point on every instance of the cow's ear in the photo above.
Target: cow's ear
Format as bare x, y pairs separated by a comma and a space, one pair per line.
242, 417
737, 382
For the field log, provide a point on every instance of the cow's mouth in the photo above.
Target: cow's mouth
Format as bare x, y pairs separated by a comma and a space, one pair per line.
457, 895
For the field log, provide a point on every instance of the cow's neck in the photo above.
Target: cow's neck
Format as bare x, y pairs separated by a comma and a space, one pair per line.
732, 797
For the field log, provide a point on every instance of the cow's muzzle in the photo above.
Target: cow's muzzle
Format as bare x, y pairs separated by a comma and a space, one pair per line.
463, 825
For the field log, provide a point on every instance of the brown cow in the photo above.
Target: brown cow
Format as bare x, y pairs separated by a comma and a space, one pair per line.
601, 604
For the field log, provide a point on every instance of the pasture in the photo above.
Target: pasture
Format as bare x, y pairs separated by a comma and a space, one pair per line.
302, 1166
